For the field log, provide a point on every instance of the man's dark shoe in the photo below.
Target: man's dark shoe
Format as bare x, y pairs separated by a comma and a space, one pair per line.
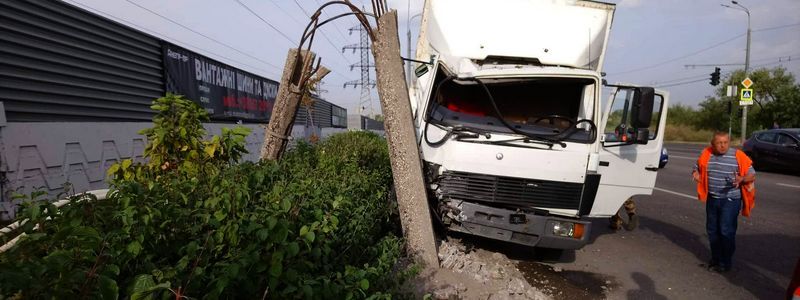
720, 269
711, 264
633, 222
615, 223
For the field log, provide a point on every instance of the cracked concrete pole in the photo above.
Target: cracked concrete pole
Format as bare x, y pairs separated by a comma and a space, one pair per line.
277, 132
406, 164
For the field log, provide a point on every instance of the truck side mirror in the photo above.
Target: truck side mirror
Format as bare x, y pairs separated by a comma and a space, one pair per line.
642, 113
631, 112
642, 110
642, 136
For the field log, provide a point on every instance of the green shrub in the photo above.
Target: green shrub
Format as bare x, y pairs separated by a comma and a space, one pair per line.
191, 222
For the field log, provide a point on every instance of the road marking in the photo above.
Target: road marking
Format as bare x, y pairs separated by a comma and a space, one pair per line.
684, 157
789, 185
675, 193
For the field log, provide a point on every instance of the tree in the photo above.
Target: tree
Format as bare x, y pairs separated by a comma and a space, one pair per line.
713, 114
680, 114
784, 109
777, 97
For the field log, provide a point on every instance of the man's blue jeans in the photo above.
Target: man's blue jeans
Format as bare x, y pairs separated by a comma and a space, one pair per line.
721, 221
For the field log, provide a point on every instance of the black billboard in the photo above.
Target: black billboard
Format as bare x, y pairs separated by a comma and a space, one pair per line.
225, 92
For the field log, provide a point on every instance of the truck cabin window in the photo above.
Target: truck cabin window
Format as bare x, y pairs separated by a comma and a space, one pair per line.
558, 108
618, 127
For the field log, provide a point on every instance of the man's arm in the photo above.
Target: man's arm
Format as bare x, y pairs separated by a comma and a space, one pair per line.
695, 174
747, 178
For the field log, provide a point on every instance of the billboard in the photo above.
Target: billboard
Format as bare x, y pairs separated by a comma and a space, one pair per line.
225, 92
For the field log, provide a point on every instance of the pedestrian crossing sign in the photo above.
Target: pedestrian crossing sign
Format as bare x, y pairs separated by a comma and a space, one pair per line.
746, 97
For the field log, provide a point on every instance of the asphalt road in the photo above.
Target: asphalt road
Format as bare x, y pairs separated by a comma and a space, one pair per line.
664, 257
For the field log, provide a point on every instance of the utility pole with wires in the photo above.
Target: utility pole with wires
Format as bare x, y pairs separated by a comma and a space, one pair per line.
366, 84
746, 63
404, 157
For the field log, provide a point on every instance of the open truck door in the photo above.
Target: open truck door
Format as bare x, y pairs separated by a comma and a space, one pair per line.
421, 89
632, 135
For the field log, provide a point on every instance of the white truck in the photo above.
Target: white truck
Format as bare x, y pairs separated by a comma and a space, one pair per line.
509, 124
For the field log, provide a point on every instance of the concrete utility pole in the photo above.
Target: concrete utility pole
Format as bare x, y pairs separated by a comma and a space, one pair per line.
286, 103
406, 165
746, 64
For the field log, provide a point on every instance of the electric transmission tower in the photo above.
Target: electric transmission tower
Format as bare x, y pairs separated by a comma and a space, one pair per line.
365, 83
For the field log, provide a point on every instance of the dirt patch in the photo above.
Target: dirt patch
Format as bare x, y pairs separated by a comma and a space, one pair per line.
566, 284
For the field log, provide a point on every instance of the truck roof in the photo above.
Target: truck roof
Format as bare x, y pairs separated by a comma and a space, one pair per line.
553, 32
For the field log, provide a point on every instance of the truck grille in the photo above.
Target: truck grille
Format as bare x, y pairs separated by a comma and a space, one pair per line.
514, 191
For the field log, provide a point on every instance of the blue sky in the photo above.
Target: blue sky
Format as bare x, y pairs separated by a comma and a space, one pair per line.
651, 40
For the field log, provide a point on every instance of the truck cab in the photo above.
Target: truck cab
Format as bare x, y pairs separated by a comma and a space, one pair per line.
515, 140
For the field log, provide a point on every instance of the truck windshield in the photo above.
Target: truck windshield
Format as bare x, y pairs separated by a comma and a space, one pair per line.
559, 108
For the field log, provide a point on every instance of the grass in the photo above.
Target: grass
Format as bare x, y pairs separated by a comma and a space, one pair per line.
688, 134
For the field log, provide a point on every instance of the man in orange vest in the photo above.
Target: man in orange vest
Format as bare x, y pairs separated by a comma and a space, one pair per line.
725, 182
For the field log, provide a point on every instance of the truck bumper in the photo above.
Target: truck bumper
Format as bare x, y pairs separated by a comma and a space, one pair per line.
505, 225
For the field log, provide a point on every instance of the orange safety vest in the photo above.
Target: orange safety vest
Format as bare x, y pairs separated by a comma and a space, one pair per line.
748, 190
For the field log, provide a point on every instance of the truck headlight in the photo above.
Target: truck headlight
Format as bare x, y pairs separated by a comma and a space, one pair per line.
568, 229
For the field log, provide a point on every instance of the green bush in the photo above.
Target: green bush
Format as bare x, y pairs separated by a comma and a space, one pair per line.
193, 223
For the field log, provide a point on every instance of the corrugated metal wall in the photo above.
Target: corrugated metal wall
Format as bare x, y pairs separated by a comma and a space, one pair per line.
338, 116
321, 112
59, 63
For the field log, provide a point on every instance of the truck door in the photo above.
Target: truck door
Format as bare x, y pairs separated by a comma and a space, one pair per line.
628, 165
424, 79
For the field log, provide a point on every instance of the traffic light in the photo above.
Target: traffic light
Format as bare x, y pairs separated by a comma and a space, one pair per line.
715, 77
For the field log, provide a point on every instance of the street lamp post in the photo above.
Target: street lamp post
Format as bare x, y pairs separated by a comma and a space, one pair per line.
746, 63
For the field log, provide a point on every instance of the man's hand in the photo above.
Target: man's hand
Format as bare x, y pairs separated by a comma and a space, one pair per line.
738, 180
696, 176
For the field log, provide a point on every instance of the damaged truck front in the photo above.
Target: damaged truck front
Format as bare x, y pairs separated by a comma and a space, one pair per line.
509, 123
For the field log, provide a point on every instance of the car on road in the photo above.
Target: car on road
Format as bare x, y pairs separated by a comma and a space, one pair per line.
775, 149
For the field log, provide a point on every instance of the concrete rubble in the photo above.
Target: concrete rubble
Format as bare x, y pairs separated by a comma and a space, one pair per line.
496, 276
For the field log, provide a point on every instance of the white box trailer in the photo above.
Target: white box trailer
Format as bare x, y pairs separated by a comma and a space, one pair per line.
509, 124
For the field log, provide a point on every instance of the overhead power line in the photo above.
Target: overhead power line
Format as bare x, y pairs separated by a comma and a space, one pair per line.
201, 34
162, 36
788, 57
339, 31
680, 57
681, 79
706, 77
280, 32
325, 36
285, 12
782, 58
682, 83
329, 42
292, 42
777, 27
701, 50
